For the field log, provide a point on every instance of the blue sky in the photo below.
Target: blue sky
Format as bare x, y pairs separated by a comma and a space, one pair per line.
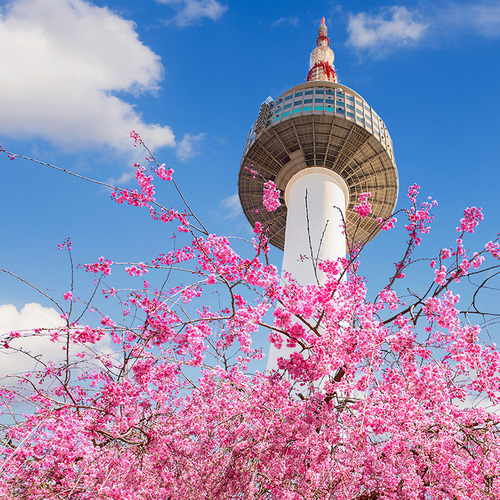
76, 76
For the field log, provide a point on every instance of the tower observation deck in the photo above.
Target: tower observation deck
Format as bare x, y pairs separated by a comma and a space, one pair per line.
325, 128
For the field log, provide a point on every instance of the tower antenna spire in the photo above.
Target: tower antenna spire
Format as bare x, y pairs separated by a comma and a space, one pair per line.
322, 57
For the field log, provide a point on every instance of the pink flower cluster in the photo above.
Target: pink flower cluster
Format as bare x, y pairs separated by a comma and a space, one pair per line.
189, 293
364, 208
175, 257
133, 196
271, 196
370, 398
493, 248
66, 243
112, 292
163, 173
419, 215
445, 253
472, 217
137, 138
440, 278
252, 171
391, 297
87, 335
169, 215
102, 265
387, 224
107, 321
137, 270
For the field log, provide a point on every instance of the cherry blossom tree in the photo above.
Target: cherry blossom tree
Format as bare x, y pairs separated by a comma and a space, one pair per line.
387, 395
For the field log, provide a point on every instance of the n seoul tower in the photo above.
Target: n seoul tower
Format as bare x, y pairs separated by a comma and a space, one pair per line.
322, 145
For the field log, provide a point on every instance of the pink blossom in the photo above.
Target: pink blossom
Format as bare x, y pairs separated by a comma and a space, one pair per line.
477, 260
112, 292
137, 270
387, 224
493, 248
445, 253
364, 208
465, 266
271, 196
472, 217
65, 243
136, 137
87, 335
390, 297
252, 171
369, 398
440, 273
165, 174
106, 321
102, 265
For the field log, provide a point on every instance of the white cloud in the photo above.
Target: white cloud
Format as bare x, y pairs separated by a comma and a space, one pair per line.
397, 26
187, 146
286, 21
394, 27
23, 352
31, 316
61, 61
232, 206
190, 12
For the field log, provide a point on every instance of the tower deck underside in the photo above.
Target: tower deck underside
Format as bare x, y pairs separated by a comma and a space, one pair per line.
319, 140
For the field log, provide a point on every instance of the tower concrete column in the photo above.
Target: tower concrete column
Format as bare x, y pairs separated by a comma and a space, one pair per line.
316, 199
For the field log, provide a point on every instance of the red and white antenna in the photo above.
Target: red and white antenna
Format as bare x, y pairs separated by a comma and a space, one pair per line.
321, 64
